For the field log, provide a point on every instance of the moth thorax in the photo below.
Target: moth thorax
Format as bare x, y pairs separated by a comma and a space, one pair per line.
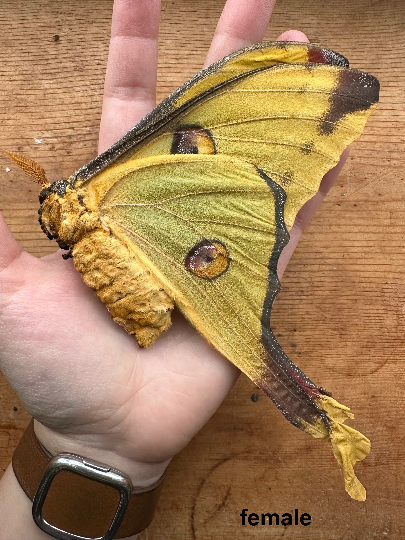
63, 215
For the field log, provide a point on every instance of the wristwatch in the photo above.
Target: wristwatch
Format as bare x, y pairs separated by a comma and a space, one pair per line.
76, 498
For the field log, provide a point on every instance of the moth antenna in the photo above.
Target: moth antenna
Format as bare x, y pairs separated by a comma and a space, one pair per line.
30, 167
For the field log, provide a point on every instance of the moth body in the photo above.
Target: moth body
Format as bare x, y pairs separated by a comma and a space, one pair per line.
134, 297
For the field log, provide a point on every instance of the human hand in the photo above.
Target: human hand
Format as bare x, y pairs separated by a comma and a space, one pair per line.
93, 391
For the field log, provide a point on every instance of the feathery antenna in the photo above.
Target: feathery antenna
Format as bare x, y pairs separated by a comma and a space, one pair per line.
30, 167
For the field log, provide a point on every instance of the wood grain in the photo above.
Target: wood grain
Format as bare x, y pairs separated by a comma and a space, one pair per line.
341, 314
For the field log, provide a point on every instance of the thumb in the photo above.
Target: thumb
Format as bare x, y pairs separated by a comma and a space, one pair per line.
10, 249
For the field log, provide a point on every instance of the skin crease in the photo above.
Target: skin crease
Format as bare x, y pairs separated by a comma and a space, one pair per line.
93, 391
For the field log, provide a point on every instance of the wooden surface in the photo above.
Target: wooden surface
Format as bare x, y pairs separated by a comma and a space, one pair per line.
340, 315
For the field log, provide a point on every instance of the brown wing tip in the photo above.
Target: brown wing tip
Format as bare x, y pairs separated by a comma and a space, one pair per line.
367, 85
355, 91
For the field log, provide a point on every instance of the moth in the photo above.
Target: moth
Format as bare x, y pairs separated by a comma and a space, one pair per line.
192, 208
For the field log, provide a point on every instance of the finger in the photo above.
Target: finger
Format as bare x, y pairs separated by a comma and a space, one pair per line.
130, 83
307, 212
293, 35
10, 249
242, 23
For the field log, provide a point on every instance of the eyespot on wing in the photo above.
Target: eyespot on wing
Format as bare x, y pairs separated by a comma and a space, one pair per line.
208, 259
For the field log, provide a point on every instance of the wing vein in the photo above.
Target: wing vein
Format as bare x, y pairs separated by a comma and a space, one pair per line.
188, 220
208, 192
279, 143
281, 117
302, 90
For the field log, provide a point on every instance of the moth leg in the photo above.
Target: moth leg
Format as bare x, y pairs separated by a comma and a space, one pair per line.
134, 298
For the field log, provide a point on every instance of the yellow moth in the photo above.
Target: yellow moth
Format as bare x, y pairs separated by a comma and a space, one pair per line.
192, 208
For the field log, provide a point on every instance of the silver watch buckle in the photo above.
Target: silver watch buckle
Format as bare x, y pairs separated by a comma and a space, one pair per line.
94, 471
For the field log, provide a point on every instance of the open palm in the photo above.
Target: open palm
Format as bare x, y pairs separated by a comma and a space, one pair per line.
77, 372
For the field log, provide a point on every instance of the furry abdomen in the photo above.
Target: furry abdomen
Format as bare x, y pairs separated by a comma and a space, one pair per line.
135, 299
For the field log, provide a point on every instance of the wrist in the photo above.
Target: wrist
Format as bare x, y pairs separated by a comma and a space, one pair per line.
93, 501
142, 474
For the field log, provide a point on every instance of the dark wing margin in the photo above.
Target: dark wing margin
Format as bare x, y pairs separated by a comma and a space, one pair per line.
285, 384
166, 111
355, 91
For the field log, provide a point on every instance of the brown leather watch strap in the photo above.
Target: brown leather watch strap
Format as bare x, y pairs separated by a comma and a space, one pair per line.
75, 503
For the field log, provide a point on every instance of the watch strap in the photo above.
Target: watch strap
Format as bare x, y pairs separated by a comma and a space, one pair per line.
74, 498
